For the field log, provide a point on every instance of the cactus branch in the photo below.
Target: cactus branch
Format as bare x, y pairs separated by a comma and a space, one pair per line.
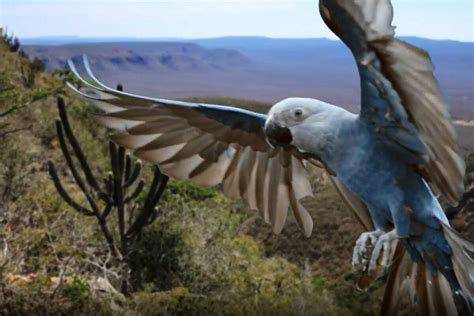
137, 192
132, 216
66, 197
75, 145
132, 177
154, 194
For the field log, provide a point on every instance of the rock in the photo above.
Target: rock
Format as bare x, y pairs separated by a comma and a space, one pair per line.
21, 279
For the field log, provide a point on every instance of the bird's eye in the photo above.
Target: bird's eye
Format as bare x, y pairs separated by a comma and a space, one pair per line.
298, 113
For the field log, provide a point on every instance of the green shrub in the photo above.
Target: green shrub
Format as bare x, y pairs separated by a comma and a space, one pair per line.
161, 303
39, 297
156, 264
189, 190
77, 291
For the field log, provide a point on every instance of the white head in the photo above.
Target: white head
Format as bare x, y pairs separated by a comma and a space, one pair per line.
288, 119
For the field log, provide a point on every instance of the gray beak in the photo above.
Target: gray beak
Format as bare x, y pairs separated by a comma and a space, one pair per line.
277, 135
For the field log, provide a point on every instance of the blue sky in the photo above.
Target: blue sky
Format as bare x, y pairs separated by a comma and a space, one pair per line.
438, 19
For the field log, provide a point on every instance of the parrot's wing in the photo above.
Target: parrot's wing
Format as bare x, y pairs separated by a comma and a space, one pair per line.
355, 204
401, 100
210, 145
402, 103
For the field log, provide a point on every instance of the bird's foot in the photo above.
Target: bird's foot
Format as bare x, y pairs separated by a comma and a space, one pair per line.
383, 248
363, 249
372, 251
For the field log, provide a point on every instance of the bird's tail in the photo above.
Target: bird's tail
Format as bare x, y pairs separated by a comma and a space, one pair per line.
462, 259
432, 293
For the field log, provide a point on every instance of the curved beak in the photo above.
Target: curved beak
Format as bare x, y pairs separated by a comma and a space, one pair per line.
277, 135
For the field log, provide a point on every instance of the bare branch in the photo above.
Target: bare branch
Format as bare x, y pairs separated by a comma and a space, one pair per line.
4, 134
10, 110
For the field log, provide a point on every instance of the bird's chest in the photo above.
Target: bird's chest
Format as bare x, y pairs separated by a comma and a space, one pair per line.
371, 173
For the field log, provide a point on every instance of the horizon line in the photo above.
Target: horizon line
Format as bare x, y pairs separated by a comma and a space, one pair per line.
137, 38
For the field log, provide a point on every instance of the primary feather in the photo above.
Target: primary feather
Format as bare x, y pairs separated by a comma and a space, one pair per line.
210, 145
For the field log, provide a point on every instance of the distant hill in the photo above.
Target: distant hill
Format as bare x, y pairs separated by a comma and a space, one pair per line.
151, 56
258, 68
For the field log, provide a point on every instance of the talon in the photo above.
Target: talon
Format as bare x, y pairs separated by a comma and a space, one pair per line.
363, 248
382, 247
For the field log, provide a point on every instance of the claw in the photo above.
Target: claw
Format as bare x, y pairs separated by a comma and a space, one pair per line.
383, 247
363, 248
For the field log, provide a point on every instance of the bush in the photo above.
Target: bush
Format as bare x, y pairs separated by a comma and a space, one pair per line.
161, 303
39, 297
37, 65
156, 264
191, 191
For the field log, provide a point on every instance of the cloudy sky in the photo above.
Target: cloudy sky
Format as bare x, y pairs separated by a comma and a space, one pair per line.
438, 19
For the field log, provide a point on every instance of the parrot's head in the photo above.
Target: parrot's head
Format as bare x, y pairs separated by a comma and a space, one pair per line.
291, 115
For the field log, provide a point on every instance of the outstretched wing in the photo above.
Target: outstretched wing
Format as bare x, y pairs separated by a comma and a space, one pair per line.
400, 96
209, 144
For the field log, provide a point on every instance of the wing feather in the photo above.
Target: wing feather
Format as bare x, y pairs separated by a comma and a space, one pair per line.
402, 102
159, 155
260, 183
193, 147
400, 95
211, 173
211, 145
172, 138
160, 125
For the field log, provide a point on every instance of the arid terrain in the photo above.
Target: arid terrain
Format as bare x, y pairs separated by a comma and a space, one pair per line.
255, 68
258, 68
204, 254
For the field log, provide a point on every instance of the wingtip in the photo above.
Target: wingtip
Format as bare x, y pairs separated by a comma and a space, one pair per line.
308, 229
71, 86
70, 63
85, 60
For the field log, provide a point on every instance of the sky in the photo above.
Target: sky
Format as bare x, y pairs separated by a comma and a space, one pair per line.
437, 19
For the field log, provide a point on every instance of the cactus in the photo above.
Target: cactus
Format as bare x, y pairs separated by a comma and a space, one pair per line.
118, 193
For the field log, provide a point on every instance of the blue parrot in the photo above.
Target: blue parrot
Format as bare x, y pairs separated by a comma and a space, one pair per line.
390, 162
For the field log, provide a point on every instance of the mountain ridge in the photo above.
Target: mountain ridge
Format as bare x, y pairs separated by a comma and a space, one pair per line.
259, 68
73, 39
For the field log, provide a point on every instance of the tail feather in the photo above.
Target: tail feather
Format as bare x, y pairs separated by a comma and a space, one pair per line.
431, 294
463, 262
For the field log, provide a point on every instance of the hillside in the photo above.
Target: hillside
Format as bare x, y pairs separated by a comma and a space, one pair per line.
203, 254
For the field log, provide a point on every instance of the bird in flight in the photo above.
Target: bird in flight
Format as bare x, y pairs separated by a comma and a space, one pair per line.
389, 163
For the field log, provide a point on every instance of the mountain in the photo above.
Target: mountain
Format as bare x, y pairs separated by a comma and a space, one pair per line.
150, 56
260, 68
330, 61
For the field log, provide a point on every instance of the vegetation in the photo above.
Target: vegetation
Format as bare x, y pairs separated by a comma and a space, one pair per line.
119, 194
203, 254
